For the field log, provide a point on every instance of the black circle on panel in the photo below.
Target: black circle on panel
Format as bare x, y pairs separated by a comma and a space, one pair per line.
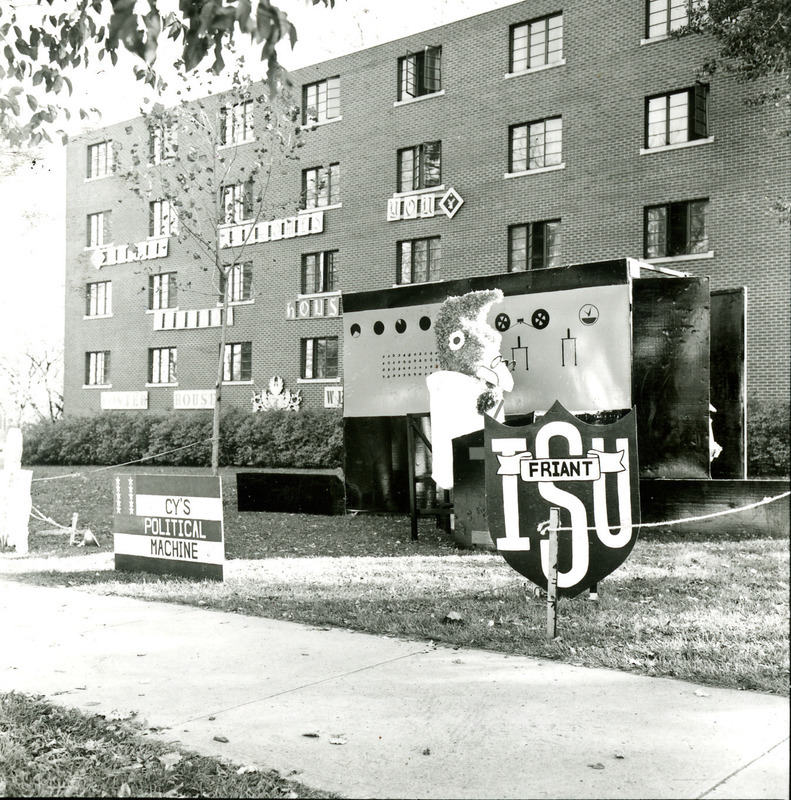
379, 328
355, 330
540, 318
425, 323
400, 326
502, 322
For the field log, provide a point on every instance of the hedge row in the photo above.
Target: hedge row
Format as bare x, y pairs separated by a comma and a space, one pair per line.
308, 438
768, 451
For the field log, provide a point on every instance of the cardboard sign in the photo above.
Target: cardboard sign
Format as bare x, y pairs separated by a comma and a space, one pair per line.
169, 524
589, 472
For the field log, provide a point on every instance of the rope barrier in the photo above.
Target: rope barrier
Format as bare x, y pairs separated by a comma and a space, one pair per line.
542, 526
124, 464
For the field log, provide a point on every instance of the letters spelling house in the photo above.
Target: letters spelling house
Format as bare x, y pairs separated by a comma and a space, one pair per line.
537, 135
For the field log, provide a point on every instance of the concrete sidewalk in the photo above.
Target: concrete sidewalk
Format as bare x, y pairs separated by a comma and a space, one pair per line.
412, 720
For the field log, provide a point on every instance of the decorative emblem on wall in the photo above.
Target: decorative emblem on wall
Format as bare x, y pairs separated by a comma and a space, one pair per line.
277, 396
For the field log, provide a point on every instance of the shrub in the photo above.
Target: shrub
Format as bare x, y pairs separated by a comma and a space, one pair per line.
310, 438
768, 438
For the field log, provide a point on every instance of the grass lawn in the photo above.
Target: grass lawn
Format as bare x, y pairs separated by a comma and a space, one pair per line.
710, 610
49, 751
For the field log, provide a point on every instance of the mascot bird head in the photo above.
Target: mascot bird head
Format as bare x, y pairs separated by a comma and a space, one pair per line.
466, 343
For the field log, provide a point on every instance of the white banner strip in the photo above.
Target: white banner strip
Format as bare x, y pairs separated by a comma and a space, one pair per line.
163, 505
131, 544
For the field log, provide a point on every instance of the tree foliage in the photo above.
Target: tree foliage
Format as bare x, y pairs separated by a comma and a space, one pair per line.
40, 45
754, 36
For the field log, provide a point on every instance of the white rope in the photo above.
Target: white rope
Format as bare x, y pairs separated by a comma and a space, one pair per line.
542, 526
124, 464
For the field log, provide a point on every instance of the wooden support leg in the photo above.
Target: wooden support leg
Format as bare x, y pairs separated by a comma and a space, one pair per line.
552, 577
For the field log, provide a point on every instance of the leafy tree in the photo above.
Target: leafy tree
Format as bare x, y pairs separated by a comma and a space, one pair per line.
42, 43
179, 158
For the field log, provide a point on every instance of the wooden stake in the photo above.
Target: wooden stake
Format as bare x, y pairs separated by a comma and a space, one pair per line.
552, 576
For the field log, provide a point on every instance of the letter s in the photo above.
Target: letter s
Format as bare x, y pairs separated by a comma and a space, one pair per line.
580, 555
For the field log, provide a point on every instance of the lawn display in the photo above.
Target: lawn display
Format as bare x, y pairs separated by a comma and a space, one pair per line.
599, 338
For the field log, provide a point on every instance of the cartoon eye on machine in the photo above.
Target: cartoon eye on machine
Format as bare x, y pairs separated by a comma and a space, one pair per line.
502, 322
540, 319
456, 340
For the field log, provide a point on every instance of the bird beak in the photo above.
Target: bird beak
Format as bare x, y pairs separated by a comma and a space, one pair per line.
498, 374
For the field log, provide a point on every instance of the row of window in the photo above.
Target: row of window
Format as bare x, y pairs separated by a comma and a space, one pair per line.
670, 119
318, 360
670, 229
532, 44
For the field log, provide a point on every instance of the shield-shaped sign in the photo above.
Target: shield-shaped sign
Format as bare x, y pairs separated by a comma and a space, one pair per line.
587, 471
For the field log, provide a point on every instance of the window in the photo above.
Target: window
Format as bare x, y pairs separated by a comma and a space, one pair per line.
162, 365
419, 260
162, 219
663, 16
420, 167
97, 368
676, 229
536, 43
100, 159
99, 299
320, 358
162, 291
237, 362
237, 201
99, 229
321, 101
533, 246
162, 143
536, 145
420, 73
236, 123
319, 272
321, 186
239, 278
677, 117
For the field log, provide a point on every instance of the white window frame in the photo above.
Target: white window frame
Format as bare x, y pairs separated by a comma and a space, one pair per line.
536, 34
100, 160
163, 365
98, 300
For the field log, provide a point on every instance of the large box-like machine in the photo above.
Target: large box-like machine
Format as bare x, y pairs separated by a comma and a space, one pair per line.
600, 338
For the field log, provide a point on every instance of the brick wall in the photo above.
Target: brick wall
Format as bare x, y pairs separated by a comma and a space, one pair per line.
599, 195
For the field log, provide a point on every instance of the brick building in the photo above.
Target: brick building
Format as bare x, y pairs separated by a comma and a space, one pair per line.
539, 134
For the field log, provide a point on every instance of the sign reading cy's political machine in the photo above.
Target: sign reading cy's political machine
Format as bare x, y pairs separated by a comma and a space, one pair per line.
169, 524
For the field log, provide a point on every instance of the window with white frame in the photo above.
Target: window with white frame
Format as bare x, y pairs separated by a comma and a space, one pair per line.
319, 358
319, 272
420, 167
99, 299
536, 145
239, 280
676, 229
321, 101
321, 186
97, 368
533, 245
237, 123
100, 159
536, 43
162, 142
99, 229
162, 291
663, 16
237, 202
420, 73
238, 362
162, 218
419, 260
677, 117
162, 365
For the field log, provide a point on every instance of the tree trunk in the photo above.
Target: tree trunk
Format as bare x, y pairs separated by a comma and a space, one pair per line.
215, 434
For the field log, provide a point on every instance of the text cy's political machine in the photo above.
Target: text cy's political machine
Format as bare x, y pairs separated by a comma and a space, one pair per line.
169, 524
